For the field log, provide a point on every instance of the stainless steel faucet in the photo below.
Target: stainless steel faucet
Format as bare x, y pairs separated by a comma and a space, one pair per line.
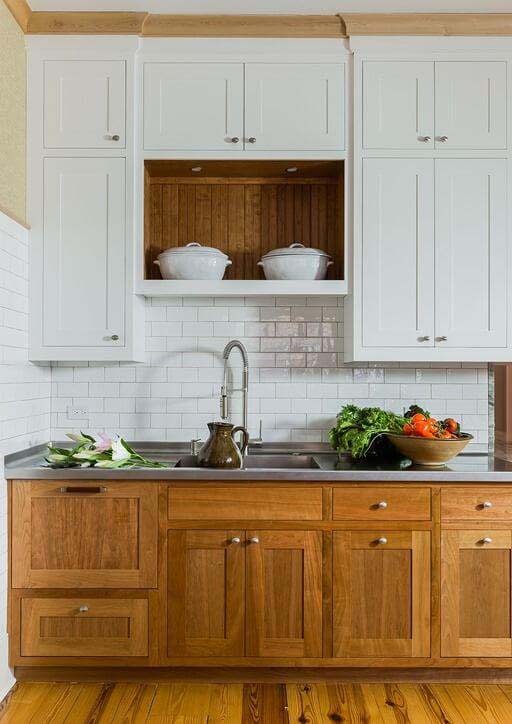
224, 411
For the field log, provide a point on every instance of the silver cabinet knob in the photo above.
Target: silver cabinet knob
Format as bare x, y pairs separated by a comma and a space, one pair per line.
442, 338
443, 139
114, 337
382, 541
424, 338
424, 139
83, 609
254, 540
236, 539
382, 504
486, 540
114, 137
235, 139
251, 139
487, 504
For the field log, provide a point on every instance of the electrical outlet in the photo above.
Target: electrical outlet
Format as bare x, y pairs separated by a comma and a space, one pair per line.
77, 413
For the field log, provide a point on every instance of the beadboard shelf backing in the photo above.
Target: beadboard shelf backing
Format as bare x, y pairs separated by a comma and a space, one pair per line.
244, 208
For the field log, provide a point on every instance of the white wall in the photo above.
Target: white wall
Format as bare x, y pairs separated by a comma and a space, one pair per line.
298, 379
24, 390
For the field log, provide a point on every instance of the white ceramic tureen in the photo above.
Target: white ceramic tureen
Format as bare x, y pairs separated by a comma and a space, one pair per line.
192, 261
295, 262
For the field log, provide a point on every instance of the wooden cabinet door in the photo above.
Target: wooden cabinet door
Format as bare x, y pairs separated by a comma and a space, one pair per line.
84, 104
398, 105
471, 253
381, 599
294, 106
284, 593
84, 252
194, 106
476, 592
99, 534
471, 105
206, 593
398, 253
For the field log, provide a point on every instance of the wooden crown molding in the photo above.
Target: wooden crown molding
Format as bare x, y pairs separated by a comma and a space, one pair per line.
21, 12
85, 23
244, 26
428, 23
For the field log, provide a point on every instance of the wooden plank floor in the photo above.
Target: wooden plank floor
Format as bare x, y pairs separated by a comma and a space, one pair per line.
173, 703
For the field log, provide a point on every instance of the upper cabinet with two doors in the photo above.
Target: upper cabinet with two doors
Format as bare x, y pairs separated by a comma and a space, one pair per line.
232, 107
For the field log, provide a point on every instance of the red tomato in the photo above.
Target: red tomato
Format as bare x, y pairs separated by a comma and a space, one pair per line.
421, 427
408, 429
451, 424
418, 417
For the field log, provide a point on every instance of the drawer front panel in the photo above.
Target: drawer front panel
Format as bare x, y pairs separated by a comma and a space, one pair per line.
238, 503
476, 504
84, 627
381, 504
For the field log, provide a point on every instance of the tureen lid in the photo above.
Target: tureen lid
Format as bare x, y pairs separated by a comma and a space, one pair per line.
194, 248
295, 249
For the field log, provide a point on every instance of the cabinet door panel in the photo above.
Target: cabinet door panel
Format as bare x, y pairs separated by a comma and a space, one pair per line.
84, 252
381, 593
476, 591
471, 105
84, 103
294, 106
206, 593
284, 593
398, 104
398, 252
193, 106
471, 252
85, 536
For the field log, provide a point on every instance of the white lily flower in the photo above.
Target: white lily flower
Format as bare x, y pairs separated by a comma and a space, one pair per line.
102, 442
119, 452
76, 437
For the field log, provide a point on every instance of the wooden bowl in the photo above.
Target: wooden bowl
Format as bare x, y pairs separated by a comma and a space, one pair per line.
429, 451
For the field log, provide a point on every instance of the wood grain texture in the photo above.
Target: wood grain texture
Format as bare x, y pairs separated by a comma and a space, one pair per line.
85, 23
363, 504
21, 12
427, 23
467, 504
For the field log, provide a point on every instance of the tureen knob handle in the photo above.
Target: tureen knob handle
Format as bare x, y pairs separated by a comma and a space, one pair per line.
194, 243
296, 245
156, 262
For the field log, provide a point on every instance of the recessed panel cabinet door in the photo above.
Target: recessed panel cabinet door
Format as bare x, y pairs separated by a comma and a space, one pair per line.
284, 593
84, 251
194, 106
206, 593
471, 252
476, 591
84, 104
381, 598
84, 535
398, 107
294, 106
398, 252
471, 105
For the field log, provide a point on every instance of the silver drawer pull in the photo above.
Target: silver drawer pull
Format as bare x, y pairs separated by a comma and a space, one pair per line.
487, 504
83, 609
424, 139
254, 540
382, 504
486, 540
236, 539
382, 541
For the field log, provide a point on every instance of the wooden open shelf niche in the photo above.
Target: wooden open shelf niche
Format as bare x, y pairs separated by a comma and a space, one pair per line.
245, 208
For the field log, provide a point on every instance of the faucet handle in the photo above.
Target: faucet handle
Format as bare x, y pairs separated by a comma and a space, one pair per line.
223, 403
194, 445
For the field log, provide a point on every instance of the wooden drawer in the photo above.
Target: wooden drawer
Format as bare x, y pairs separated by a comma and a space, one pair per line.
245, 503
84, 627
381, 504
476, 503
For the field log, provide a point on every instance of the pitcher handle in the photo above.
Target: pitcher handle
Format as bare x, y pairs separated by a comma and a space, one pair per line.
245, 437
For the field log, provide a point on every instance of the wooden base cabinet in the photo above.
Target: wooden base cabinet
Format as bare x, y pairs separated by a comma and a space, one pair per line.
381, 593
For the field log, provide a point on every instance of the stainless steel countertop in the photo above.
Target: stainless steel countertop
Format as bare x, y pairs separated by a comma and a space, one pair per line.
466, 468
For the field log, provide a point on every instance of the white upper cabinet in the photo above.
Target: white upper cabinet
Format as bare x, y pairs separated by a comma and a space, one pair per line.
194, 106
471, 105
84, 254
84, 103
398, 253
294, 106
471, 253
398, 108
470, 101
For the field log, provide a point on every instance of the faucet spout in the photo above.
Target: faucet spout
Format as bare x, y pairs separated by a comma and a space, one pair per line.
224, 407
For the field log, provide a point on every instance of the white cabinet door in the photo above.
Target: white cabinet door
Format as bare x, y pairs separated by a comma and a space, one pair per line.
398, 104
398, 252
84, 104
471, 253
84, 252
294, 106
471, 105
193, 106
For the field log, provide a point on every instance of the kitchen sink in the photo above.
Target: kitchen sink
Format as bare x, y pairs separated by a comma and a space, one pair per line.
262, 461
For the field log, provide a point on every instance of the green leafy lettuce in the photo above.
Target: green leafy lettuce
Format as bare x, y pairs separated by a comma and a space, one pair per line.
359, 431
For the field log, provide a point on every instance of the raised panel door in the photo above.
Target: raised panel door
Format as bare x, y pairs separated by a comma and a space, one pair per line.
193, 106
476, 592
294, 106
284, 593
471, 105
381, 593
398, 104
84, 103
206, 593
398, 253
86, 535
471, 253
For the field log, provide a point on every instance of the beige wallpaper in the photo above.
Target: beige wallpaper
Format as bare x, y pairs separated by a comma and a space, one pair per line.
12, 116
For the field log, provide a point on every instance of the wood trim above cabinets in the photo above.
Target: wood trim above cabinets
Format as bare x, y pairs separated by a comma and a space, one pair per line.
20, 11
427, 23
85, 23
